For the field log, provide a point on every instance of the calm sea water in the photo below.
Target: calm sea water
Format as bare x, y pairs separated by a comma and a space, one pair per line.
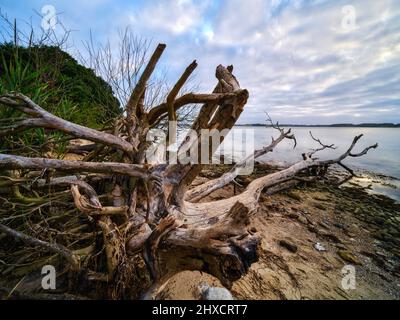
383, 160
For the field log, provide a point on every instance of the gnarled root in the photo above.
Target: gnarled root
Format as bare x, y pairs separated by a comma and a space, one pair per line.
222, 247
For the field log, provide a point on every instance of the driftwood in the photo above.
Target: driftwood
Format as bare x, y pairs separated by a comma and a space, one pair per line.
155, 211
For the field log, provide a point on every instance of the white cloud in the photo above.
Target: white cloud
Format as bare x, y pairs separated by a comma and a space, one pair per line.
295, 58
175, 16
303, 59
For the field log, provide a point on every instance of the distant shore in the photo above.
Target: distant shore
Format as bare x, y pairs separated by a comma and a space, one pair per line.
335, 125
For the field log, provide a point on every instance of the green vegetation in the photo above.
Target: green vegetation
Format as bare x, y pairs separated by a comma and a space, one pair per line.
58, 83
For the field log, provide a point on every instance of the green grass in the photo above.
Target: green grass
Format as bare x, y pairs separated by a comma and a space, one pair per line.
59, 84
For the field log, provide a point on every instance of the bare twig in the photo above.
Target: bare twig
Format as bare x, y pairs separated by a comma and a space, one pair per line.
285, 134
52, 247
208, 187
323, 146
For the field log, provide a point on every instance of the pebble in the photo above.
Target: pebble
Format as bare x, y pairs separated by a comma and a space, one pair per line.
214, 293
294, 195
319, 247
339, 225
319, 206
303, 219
349, 257
324, 225
288, 245
293, 215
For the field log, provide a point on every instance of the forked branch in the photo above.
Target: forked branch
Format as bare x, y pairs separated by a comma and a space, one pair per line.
249, 197
207, 188
323, 146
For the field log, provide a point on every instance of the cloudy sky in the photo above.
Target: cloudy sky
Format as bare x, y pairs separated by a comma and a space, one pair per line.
304, 62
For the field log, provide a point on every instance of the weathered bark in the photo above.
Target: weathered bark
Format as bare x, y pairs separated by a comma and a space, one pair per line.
189, 98
137, 93
175, 90
225, 247
18, 162
203, 190
211, 116
250, 196
153, 211
45, 119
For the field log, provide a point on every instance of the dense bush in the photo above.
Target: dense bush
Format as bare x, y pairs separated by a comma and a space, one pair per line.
57, 82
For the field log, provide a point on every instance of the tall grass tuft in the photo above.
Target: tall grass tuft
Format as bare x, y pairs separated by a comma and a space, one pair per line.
57, 82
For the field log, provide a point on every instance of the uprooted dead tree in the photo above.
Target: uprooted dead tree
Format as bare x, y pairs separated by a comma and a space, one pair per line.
149, 212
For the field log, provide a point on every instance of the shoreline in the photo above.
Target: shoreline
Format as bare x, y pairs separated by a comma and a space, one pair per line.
352, 226
372, 182
309, 234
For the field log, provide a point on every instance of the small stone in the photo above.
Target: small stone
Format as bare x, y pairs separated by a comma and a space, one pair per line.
324, 225
349, 234
341, 246
303, 219
331, 237
293, 215
321, 198
327, 267
319, 206
349, 257
338, 225
288, 245
294, 195
319, 247
213, 293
